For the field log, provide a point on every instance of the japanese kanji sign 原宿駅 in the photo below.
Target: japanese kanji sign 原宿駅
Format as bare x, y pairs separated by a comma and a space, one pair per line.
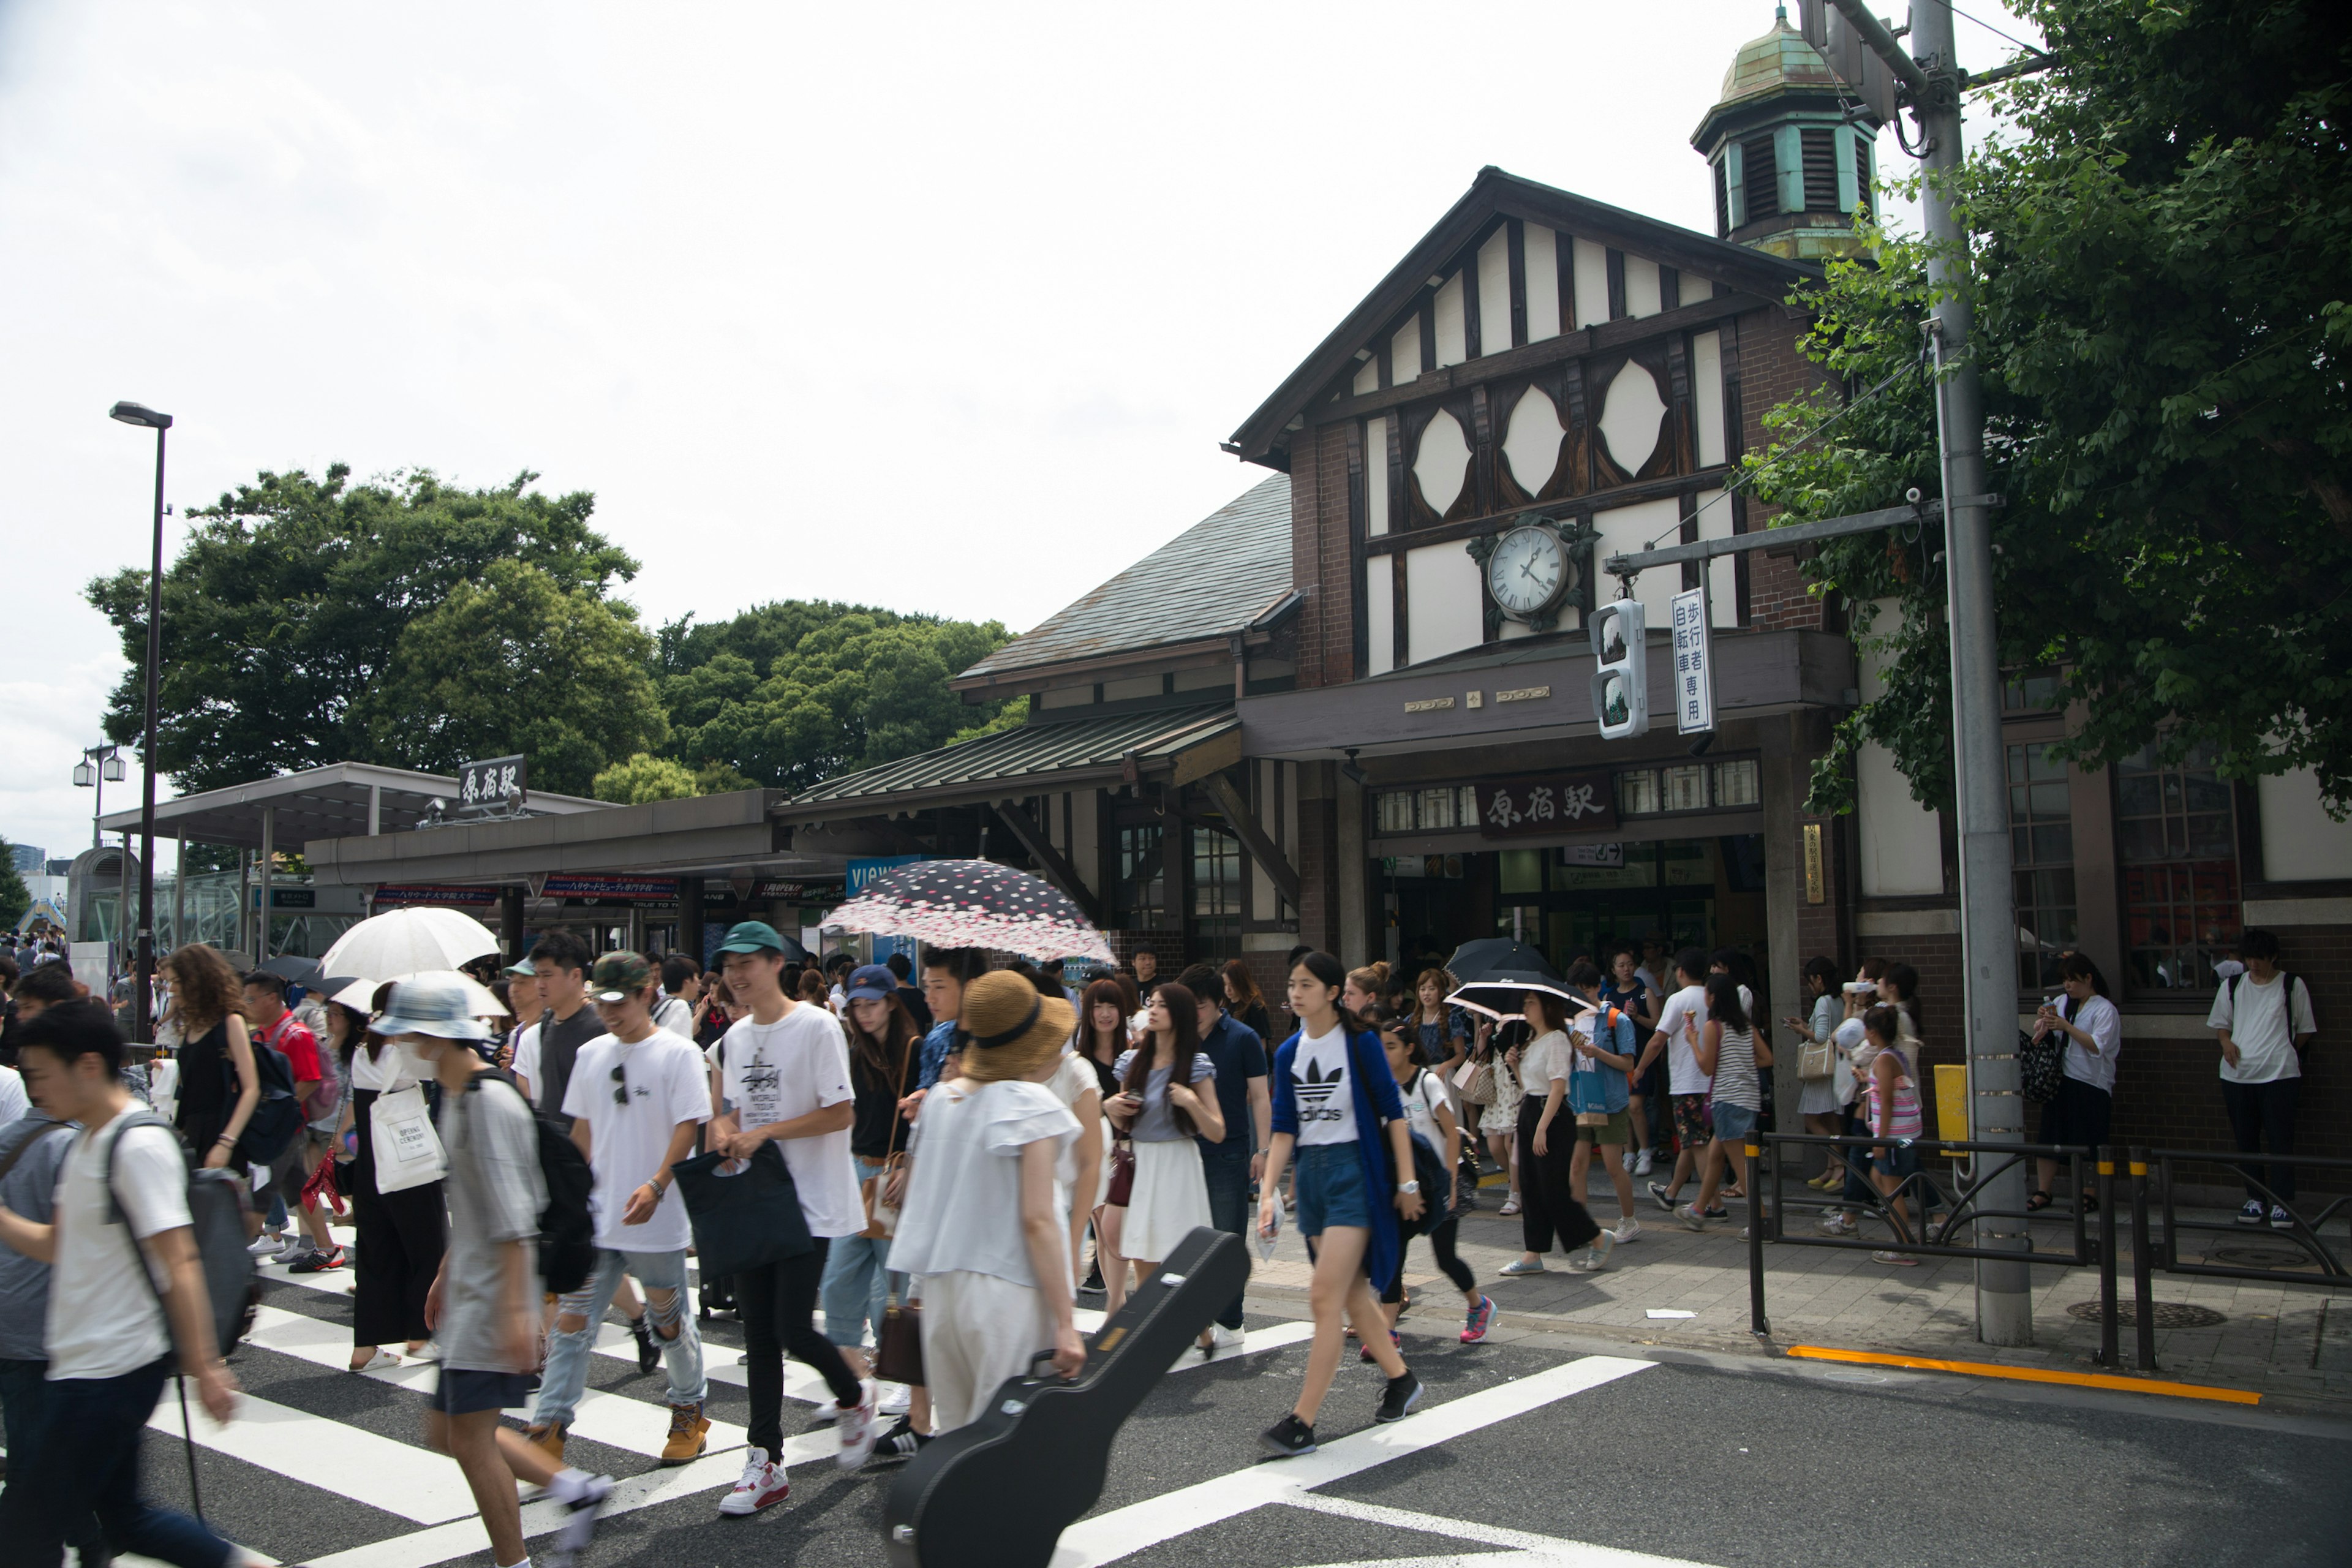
1562, 803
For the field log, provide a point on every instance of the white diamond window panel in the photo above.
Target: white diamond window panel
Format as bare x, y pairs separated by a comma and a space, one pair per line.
1442, 463
1630, 417
1531, 445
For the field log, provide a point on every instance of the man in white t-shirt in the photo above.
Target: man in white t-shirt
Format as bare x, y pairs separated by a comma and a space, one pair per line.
1680, 1023
783, 1079
2264, 1020
108, 1344
636, 1096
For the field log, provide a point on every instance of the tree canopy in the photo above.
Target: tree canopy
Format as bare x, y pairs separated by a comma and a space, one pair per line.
2161, 262
15, 897
402, 621
794, 692
645, 777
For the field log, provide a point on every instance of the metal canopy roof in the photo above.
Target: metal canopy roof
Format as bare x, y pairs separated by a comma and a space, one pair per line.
1033, 758
332, 801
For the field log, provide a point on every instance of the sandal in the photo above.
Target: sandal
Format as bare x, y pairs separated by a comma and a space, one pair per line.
2037, 1202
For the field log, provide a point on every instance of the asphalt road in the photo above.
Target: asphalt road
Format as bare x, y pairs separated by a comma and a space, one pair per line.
1520, 1455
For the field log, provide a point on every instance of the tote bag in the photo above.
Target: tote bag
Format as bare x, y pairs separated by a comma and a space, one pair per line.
745, 1220
408, 1151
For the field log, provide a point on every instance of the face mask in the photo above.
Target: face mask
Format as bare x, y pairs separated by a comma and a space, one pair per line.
419, 1062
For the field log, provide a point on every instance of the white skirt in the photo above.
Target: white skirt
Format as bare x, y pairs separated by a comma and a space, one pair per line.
1169, 1199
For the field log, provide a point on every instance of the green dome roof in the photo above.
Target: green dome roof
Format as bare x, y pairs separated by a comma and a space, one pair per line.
1777, 61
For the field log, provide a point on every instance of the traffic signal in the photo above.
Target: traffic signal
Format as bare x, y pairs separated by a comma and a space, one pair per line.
1620, 685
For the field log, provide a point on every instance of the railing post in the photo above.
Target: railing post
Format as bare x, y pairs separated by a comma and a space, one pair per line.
2142, 1296
1757, 1324
2110, 1353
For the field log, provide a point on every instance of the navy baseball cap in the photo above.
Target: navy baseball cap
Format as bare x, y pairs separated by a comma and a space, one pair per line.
873, 983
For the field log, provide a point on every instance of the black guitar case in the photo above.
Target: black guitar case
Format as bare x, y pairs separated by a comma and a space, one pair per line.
998, 1492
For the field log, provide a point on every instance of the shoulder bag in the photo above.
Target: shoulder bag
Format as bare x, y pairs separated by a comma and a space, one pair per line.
1476, 1078
881, 1214
898, 1343
407, 1149
1817, 1061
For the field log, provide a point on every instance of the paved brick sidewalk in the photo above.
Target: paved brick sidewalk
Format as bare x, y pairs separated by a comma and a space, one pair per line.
2293, 1344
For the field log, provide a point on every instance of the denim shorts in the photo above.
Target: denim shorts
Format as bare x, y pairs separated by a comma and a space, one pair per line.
1901, 1163
1329, 1189
1733, 1123
459, 1392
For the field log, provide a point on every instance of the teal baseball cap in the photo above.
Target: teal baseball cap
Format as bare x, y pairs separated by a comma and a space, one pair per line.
752, 936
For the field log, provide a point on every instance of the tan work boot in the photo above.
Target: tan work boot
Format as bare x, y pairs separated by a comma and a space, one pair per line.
690, 1434
548, 1440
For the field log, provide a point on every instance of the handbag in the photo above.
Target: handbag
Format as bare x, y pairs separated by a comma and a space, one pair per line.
2040, 1064
1475, 1080
408, 1151
898, 1343
881, 1214
1122, 1172
1817, 1061
745, 1220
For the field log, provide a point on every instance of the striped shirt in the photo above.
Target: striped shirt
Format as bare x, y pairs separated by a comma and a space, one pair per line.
1904, 1118
1734, 1070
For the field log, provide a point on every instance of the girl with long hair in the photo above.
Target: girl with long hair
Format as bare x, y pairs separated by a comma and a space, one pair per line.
1730, 1052
1337, 1110
2085, 1103
884, 1064
1432, 1116
1167, 1096
1101, 1044
401, 1235
218, 1085
1243, 1000
1549, 1206
1439, 1035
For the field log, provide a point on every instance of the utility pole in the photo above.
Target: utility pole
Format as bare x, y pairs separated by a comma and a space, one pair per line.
1932, 83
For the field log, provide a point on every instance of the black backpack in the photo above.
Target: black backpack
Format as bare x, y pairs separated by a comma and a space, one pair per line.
277, 1116
567, 1234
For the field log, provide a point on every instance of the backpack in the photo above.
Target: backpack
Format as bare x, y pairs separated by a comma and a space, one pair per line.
218, 1207
567, 1234
277, 1115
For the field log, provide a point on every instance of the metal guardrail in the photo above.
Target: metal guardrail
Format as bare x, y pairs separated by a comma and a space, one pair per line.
2305, 1234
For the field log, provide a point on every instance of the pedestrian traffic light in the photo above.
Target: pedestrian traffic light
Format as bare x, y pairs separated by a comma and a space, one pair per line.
1621, 683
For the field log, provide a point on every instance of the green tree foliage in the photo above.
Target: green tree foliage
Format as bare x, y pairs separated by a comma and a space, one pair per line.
403, 621
2160, 272
645, 777
794, 692
15, 897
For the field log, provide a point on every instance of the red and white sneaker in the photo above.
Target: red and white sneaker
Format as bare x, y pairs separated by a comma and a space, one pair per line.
762, 1482
858, 1428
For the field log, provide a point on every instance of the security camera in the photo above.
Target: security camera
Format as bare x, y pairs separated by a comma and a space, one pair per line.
1912, 495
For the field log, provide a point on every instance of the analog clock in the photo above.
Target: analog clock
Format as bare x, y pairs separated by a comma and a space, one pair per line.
1528, 571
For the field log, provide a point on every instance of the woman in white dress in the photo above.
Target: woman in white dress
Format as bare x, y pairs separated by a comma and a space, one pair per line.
1168, 1098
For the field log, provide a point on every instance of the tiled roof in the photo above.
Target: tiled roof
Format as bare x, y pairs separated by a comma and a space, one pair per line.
1212, 580
1024, 759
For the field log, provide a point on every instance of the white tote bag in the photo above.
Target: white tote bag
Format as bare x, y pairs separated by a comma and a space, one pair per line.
408, 1151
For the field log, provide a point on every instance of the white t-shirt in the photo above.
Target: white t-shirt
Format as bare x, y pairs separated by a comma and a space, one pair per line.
1684, 1019
525, 1059
664, 1075
2098, 1018
104, 1316
1322, 1081
1549, 1057
1072, 1078
1420, 1106
383, 1073
675, 1013
777, 1071
14, 1101
963, 1206
2257, 1023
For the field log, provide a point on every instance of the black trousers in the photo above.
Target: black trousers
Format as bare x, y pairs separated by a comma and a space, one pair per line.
1441, 1242
1548, 1199
2260, 1111
778, 1306
401, 1237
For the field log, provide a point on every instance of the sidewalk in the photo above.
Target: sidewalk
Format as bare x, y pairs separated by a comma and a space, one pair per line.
2293, 1344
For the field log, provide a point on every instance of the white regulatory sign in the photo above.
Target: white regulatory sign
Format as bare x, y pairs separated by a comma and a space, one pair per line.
1694, 676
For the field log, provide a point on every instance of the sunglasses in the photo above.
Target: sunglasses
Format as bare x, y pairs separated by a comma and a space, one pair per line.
621, 1092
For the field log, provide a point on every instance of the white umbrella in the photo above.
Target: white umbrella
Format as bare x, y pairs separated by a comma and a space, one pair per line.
409, 942
481, 1000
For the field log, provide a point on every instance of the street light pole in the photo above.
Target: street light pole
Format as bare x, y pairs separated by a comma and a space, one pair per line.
143, 991
1932, 81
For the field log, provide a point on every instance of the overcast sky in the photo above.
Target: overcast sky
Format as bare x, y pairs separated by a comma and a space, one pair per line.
943, 309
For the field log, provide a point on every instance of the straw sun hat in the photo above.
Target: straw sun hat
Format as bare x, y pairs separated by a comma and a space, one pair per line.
1009, 1030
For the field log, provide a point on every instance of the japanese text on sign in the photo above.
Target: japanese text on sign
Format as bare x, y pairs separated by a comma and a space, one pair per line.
495, 780
1568, 803
1694, 676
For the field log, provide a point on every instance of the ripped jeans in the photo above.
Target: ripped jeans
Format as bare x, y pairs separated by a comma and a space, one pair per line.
566, 1373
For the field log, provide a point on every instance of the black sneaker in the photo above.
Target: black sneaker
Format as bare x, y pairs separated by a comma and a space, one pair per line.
1094, 1285
1662, 1197
648, 1351
1288, 1437
901, 1442
1398, 1398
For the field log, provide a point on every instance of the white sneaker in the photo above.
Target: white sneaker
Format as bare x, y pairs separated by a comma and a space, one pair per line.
583, 1498
1642, 1162
762, 1482
1626, 1158
1220, 1340
294, 1246
858, 1428
272, 1241
1835, 1224
1628, 1229
895, 1398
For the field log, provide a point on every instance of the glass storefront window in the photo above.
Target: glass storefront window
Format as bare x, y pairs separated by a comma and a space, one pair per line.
1735, 783
1685, 787
1521, 870
1396, 811
1142, 878
1437, 808
2175, 831
1637, 792
2041, 832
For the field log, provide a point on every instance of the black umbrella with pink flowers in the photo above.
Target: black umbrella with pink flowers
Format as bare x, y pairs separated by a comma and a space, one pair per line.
973, 904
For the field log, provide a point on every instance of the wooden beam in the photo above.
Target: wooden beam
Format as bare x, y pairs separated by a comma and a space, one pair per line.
1058, 870
1561, 506
1252, 837
1599, 338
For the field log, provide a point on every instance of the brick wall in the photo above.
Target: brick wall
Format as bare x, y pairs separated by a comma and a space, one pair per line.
1319, 556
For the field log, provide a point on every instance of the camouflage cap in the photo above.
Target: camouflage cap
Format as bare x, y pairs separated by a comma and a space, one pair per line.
617, 976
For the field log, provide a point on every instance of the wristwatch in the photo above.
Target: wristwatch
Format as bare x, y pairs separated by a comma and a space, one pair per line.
1409, 1189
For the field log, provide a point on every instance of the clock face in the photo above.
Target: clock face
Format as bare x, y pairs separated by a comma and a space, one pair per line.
1528, 569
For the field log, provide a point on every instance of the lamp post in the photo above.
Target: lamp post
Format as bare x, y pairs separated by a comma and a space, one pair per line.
99, 765
143, 993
